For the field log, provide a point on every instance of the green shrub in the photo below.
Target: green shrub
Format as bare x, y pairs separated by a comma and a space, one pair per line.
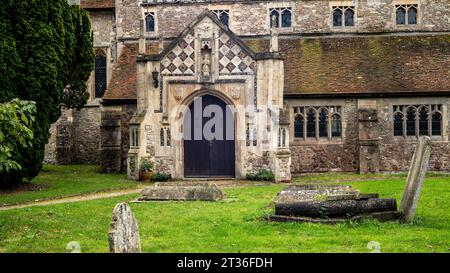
262, 175
16, 119
146, 165
161, 177
46, 56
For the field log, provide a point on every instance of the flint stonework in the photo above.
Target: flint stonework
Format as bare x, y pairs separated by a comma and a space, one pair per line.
124, 231
416, 175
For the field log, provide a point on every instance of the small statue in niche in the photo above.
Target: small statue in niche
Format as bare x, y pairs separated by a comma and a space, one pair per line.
206, 66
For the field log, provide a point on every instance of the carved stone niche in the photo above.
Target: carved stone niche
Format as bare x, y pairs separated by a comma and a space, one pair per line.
205, 67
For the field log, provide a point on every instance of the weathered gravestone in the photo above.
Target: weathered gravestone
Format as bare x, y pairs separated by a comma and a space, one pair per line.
416, 175
182, 192
124, 231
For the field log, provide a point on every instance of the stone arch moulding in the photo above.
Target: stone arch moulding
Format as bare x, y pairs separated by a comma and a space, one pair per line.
178, 151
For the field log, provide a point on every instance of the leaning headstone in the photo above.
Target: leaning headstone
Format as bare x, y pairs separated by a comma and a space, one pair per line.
124, 231
415, 178
161, 192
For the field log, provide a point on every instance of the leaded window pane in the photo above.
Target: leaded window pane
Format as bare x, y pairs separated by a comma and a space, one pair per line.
168, 137
224, 18
411, 121
298, 126
412, 15
337, 17
401, 15
311, 123
323, 123
336, 126
423, 121
286, 18
100, 75
349, 17
247, 136
150, 22
161, 137
398, 124
436, 124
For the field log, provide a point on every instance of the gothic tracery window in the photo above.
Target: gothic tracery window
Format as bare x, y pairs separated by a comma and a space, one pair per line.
281, 16
343, 16
223, 15
100, 74
406, 14
317, 122
150, 21
298, 126
165, 137
417, 120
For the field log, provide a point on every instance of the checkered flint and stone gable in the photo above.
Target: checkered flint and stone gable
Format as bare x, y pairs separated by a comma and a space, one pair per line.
232, 58
181, 60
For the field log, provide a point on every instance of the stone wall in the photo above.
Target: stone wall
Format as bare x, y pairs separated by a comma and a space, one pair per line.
75, 137
395, 152
309, 16
86, 124
324, 155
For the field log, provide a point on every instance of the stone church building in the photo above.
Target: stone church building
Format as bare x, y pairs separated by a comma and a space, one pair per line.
296, 86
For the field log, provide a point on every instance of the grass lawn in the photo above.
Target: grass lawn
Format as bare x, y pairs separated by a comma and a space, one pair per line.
57, 181
235, 224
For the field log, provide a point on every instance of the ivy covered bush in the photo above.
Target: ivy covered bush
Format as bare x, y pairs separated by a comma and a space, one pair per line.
262, 175
46, 56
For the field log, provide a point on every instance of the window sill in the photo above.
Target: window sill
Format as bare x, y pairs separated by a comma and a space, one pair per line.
314, 141
416, 138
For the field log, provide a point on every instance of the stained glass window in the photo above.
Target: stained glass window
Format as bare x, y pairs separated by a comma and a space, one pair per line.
418, 120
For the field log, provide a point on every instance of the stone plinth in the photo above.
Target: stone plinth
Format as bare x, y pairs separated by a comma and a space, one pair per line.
163, 192
331, 204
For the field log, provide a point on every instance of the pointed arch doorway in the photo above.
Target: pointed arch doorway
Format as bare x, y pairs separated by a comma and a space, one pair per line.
209, 139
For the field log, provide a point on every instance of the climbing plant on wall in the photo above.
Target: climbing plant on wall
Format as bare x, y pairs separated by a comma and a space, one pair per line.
46, 56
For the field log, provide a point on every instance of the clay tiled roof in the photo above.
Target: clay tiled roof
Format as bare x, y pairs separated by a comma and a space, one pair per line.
122, 85
335, 65
97, 4
362, 64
